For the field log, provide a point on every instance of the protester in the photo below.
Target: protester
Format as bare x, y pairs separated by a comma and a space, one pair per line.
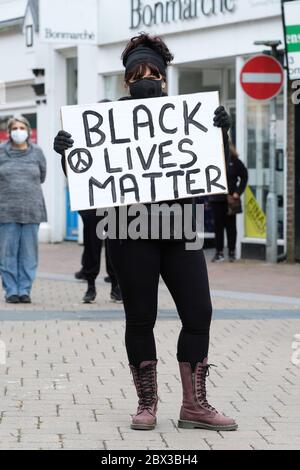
22, 209
91, 259
225, 208
139, 263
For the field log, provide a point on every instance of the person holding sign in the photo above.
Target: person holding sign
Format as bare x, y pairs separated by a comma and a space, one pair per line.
138, 263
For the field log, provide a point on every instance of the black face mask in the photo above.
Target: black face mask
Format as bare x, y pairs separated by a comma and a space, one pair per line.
146, 88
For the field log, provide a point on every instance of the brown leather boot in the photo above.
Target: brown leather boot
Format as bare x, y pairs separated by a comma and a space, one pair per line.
145, 381
196, 412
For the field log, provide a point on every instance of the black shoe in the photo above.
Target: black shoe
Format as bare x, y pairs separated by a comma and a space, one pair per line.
80, 276
90, 295
218, 258
232, 257
107, 279
13, 299
116, 295
25, 299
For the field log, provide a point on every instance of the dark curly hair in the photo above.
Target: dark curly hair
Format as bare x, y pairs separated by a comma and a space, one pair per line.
155, 43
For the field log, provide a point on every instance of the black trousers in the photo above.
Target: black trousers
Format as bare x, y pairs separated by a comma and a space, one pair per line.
224, 222
91, 256
109, 267
138, 266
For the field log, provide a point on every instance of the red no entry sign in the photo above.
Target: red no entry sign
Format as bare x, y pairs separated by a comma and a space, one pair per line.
262, 77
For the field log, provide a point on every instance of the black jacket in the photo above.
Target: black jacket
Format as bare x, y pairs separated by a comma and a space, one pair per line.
237, 177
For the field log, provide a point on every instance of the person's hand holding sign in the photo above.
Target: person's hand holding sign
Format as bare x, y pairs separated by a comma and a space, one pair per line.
62, 142
222, 119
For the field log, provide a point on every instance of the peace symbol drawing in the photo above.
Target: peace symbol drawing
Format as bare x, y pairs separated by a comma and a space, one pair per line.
80, 160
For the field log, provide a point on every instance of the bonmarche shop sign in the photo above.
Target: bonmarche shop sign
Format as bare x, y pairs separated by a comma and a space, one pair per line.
167, 11
84, 35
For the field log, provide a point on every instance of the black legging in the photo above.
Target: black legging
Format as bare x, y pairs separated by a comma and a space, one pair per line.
223, 221
138, 265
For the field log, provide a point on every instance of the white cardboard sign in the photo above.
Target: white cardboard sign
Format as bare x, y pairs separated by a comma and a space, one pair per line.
140, 151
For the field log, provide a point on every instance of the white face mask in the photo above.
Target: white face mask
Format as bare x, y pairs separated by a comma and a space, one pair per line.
19, 136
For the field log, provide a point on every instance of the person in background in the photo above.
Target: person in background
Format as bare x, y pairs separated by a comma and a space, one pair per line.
237, 176
111, 276
91, 257
22, 209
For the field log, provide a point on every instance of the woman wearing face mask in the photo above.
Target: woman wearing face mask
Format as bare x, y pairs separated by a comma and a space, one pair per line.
22, 209
139, 263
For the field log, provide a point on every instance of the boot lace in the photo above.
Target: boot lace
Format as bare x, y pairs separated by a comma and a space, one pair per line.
201, 386
147, 388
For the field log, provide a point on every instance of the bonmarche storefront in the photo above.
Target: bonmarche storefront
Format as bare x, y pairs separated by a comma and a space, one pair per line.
209, 50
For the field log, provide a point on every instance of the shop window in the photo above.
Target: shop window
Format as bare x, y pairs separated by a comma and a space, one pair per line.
258, 154
19, 92
204, 80
29, 36
231, 92
197, 81
2, 93
72, 81
3, 126
114, 87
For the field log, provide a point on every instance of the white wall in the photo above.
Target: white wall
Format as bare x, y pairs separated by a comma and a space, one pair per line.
48, 126
14, 64
10, 9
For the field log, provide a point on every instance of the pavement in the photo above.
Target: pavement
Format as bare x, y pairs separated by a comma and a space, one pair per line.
65, 383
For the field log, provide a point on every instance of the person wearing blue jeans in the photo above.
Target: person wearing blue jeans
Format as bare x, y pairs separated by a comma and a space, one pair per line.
22, 210
18, 258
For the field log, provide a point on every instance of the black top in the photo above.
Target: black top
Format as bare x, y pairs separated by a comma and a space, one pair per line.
237, 177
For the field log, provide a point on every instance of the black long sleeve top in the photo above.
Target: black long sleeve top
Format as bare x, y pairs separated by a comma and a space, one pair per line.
237, 177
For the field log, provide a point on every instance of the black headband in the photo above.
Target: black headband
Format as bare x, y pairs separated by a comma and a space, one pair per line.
142, 55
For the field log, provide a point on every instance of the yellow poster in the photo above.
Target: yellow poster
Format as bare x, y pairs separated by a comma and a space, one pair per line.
255, 218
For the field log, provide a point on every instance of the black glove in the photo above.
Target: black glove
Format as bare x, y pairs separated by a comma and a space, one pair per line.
222, 118
62, 142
